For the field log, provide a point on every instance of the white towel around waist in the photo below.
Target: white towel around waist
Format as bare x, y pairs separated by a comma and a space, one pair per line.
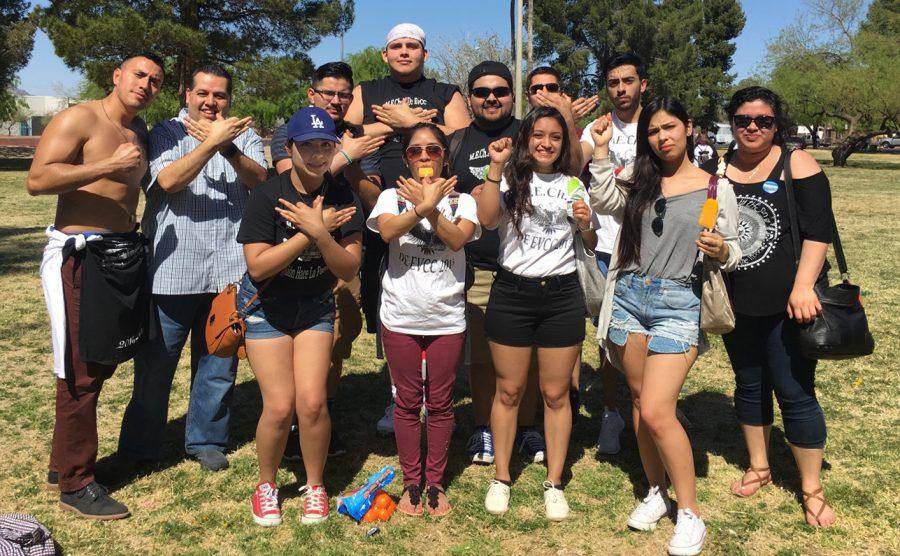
51, 280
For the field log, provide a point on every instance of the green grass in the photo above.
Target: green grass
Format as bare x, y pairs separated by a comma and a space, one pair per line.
180, 509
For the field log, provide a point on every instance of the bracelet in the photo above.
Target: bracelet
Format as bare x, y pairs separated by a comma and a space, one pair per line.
347, 156
230, 150
588, 229
416, 212
488, 178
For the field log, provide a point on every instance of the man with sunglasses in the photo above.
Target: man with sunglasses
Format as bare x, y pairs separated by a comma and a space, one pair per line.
385, 107
491, 100
355, 166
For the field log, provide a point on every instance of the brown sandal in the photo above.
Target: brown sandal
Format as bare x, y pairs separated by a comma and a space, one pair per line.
815, 495
763, 481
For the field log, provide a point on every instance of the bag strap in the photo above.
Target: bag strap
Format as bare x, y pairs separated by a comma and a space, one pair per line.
255, 296
456, 141
795, 231
712, 189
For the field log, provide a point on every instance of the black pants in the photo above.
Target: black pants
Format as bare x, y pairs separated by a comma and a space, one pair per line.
764, 361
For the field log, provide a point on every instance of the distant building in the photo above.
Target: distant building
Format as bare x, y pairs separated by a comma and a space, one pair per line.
36, 116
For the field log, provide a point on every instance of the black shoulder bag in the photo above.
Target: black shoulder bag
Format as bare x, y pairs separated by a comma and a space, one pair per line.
841, 331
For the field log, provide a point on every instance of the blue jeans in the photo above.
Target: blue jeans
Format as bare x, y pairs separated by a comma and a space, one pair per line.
212, 383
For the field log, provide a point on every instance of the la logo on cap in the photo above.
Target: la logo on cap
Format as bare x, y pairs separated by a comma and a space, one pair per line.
316, 122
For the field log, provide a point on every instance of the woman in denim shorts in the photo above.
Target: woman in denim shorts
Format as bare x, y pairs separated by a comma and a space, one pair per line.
300, 234
650, 322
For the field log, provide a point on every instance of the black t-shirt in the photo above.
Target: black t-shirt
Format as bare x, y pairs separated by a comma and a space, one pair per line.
470, 165
763, 280
425, 93
308, 275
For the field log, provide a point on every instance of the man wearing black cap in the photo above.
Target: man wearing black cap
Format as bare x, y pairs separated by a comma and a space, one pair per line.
491, 100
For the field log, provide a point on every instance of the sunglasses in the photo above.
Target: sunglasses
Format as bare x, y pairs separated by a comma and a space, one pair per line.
659, 207
485, 92
328, 95
414, 152
762, 122
551, 88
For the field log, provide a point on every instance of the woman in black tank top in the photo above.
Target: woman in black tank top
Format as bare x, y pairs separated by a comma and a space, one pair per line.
770, 293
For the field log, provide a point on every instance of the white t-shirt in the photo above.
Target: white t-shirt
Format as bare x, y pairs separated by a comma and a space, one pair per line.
622, 150
546, 246
423, 288
702, 153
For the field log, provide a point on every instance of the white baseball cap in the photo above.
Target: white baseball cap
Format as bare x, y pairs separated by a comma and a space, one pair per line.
406, 31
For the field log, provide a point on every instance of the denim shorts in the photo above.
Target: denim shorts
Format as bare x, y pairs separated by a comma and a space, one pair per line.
317, 311
666, 311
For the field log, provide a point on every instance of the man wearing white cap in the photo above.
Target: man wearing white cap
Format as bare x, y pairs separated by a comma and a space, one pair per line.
385, 107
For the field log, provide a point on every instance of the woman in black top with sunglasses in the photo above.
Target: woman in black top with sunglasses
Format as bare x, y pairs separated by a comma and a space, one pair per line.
769, 291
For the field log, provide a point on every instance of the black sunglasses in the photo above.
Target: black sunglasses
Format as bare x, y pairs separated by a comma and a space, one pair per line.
762, 122
485, 92
551, 87
659, 207
328, 95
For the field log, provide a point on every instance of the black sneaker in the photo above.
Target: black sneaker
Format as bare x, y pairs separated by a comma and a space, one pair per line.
336, 446
93, 502
53, 481
292, 448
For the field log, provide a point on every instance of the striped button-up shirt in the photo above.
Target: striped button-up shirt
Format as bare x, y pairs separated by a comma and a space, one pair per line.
193, 231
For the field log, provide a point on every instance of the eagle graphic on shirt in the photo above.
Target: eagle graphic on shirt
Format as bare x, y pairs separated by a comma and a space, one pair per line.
427, 240
547, 220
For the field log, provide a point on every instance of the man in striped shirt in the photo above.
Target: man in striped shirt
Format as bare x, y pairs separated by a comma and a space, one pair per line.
202, 166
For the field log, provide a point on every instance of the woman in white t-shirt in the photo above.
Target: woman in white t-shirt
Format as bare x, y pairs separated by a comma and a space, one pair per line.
536, 299
423, 321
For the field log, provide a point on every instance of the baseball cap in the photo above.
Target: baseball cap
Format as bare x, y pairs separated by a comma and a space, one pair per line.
406, 31
310, 123
489, 67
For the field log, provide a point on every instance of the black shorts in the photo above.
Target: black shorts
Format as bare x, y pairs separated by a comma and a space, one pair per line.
543, 312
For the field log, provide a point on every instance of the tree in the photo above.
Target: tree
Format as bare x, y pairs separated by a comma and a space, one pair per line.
16, 42
453, 60
842, 66
270, 89
92, 35
15, 114
367, 65
687, 45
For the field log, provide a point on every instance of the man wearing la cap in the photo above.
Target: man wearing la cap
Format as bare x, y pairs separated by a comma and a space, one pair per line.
385, 107
301, 233
491, 100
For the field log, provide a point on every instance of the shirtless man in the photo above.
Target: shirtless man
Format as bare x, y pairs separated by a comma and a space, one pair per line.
92, 156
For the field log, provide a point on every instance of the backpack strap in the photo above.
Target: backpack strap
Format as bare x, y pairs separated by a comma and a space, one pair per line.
712, 189
456, 141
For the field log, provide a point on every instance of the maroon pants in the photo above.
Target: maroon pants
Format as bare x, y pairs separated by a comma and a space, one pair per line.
404, 358
74, 449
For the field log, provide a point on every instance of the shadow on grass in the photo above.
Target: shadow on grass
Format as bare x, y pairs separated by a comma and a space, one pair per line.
20, 254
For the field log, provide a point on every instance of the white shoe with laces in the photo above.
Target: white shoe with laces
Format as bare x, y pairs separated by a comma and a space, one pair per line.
497, 499
689, 535
654, 507
611, 427
555, 504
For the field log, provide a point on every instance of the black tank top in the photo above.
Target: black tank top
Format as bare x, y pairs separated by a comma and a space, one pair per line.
425, 93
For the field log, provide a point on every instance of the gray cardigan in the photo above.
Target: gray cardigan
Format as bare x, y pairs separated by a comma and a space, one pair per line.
607, 196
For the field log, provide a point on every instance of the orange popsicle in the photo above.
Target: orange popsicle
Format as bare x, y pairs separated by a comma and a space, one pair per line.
708, 215
425, 173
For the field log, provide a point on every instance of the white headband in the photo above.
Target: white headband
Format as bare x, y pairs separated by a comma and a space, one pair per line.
406, 31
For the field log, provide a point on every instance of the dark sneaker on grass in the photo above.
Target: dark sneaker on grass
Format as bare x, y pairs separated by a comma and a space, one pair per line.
336, 446
93, 502
212, 460
531, 444
292, 448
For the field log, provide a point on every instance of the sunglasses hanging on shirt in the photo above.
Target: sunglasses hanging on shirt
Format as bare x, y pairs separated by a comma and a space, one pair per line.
659, 207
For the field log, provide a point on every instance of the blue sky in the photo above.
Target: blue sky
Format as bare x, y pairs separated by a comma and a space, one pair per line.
47, 75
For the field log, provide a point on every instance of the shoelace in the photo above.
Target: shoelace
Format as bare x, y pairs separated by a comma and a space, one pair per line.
532, 440
95, 490
650, 495
415, 496
316, 501
482, 442
556, 495
685, 522
268, 499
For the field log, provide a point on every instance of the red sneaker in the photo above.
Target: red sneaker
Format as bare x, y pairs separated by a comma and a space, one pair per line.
265, 505
315, 504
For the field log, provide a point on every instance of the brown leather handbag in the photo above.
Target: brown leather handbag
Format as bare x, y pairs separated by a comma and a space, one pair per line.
716, 313
225, 326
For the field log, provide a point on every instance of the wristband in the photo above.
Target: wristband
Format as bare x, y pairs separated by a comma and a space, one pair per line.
488, 178
416, 212
230, 150
347, 156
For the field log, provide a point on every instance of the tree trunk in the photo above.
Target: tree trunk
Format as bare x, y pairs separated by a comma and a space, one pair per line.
814, 139
848, 146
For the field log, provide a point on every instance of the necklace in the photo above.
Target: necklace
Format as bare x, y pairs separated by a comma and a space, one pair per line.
118, 128
758, 166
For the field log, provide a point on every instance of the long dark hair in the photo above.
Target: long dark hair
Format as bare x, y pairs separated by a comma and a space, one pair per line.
408, 134
519, 170
770, 97
646, 185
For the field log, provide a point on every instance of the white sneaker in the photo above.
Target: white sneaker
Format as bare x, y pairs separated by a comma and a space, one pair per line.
555, 504
689, 536
497, 499
611, 426
385, 425
648, 513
